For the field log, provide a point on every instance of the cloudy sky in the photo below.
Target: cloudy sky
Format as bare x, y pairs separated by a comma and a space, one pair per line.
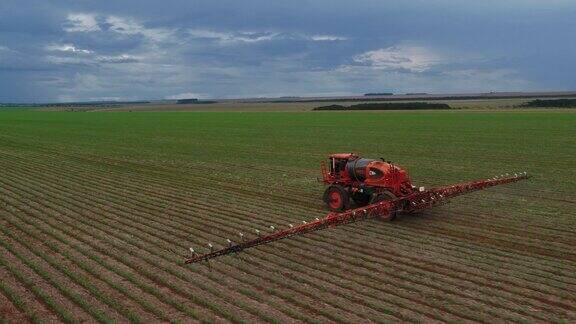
135, 49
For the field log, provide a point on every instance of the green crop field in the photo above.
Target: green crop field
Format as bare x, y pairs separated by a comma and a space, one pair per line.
98, 210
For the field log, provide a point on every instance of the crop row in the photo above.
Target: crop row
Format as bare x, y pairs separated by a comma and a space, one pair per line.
254, 193
235, 186
14, 301
87, 267
259, 168
150, 166
204, 178
52, 280
176, 192
189, 312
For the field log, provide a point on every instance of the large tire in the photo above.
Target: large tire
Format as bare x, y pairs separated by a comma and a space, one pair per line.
337, 198
360, 199
384, 196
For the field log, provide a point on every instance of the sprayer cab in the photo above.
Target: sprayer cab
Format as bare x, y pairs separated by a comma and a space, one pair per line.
350, 177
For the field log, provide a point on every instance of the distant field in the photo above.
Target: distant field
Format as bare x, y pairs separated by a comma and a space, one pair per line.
475, 104
98, 210
386, 106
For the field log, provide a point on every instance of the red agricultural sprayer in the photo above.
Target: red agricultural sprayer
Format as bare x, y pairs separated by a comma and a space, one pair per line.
378, 189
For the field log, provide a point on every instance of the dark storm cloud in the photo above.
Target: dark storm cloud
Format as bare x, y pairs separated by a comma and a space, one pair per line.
131, 49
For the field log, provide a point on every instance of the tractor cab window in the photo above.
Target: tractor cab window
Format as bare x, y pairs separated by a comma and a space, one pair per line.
338, 165
341, 165
374, 173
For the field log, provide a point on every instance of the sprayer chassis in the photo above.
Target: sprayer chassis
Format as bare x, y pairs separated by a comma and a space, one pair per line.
351, 178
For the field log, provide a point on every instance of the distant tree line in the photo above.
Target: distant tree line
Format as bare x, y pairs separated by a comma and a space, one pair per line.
388, 106
193, 101
379, 94
551, 103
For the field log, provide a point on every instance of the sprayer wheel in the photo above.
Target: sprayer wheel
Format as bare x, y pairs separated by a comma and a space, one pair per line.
337, 198
360, 199
383, 196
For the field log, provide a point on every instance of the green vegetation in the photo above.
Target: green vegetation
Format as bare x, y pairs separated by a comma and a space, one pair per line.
17, 302
42, 295
551, 103
101, 208
388, 106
